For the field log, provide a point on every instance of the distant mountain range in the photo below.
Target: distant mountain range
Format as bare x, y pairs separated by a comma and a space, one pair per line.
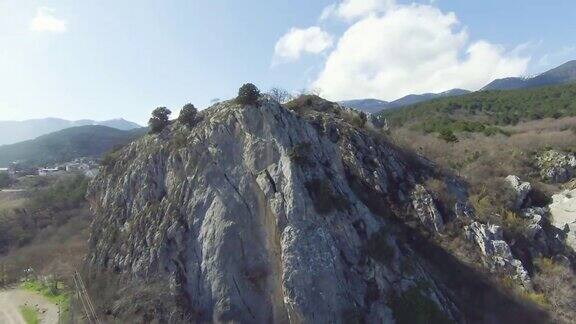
18, 131
375, 105
565, 73
414, 99
67, 144
367, 105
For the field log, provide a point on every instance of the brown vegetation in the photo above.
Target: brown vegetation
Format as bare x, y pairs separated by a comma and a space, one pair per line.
481, 159
483, 162
558, 283
46, 229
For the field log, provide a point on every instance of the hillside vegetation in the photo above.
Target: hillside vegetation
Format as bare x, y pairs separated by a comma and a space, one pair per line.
50, 205
12, 132
65, 145
481, 111
43, 235
484, 137
346, 178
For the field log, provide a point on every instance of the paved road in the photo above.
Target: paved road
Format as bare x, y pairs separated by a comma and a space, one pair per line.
12, 299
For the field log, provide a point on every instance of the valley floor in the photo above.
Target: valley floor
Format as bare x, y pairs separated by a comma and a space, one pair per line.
12, 299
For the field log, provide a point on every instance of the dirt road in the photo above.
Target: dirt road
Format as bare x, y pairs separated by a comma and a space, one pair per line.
12, 299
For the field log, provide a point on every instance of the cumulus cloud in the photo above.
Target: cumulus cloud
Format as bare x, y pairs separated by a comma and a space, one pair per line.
297, 41
45, 21
394, 50
351, 9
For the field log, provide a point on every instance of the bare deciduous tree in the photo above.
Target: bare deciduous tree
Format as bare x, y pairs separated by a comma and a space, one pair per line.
280, 95
310, 92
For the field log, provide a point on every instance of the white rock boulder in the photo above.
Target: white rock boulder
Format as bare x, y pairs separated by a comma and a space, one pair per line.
426, 209
563, 215
496, 251
521, 189
556, 166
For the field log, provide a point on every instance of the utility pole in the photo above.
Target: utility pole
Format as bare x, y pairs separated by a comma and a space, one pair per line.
3, 275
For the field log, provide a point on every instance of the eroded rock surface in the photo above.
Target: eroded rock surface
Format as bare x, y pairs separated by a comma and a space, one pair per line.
521, 190
563, 214
260, 215
426, 209
490, 240
556, 166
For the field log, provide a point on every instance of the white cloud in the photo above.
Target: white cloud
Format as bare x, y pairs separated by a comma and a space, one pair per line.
45, 21
352, 9
297, 41
328, 11
558, 57
404, 49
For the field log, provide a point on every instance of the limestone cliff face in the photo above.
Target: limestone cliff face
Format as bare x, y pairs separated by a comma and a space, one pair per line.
260, 214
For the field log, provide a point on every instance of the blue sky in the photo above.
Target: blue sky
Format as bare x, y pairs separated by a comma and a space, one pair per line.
104, 59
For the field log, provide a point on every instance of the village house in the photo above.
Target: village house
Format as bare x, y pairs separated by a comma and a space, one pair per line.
43, 172
75, 167
85, 166
14, 169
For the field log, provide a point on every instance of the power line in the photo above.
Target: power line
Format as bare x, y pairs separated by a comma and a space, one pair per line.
85, 299
79, 294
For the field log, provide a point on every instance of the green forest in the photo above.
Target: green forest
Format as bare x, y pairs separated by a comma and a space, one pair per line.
484, 112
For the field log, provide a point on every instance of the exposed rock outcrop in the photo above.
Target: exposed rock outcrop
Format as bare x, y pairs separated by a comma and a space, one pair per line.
497, 252
463, 210
536, 215
556, 166
426, 209
521, 190
378, 121
563, 214
541, 243
261, 215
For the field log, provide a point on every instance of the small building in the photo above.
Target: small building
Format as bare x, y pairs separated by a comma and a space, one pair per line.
47, 171
4, 170
73, 167
78, 165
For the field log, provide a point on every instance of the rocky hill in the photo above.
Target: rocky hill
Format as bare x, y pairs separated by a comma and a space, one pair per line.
303, 213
